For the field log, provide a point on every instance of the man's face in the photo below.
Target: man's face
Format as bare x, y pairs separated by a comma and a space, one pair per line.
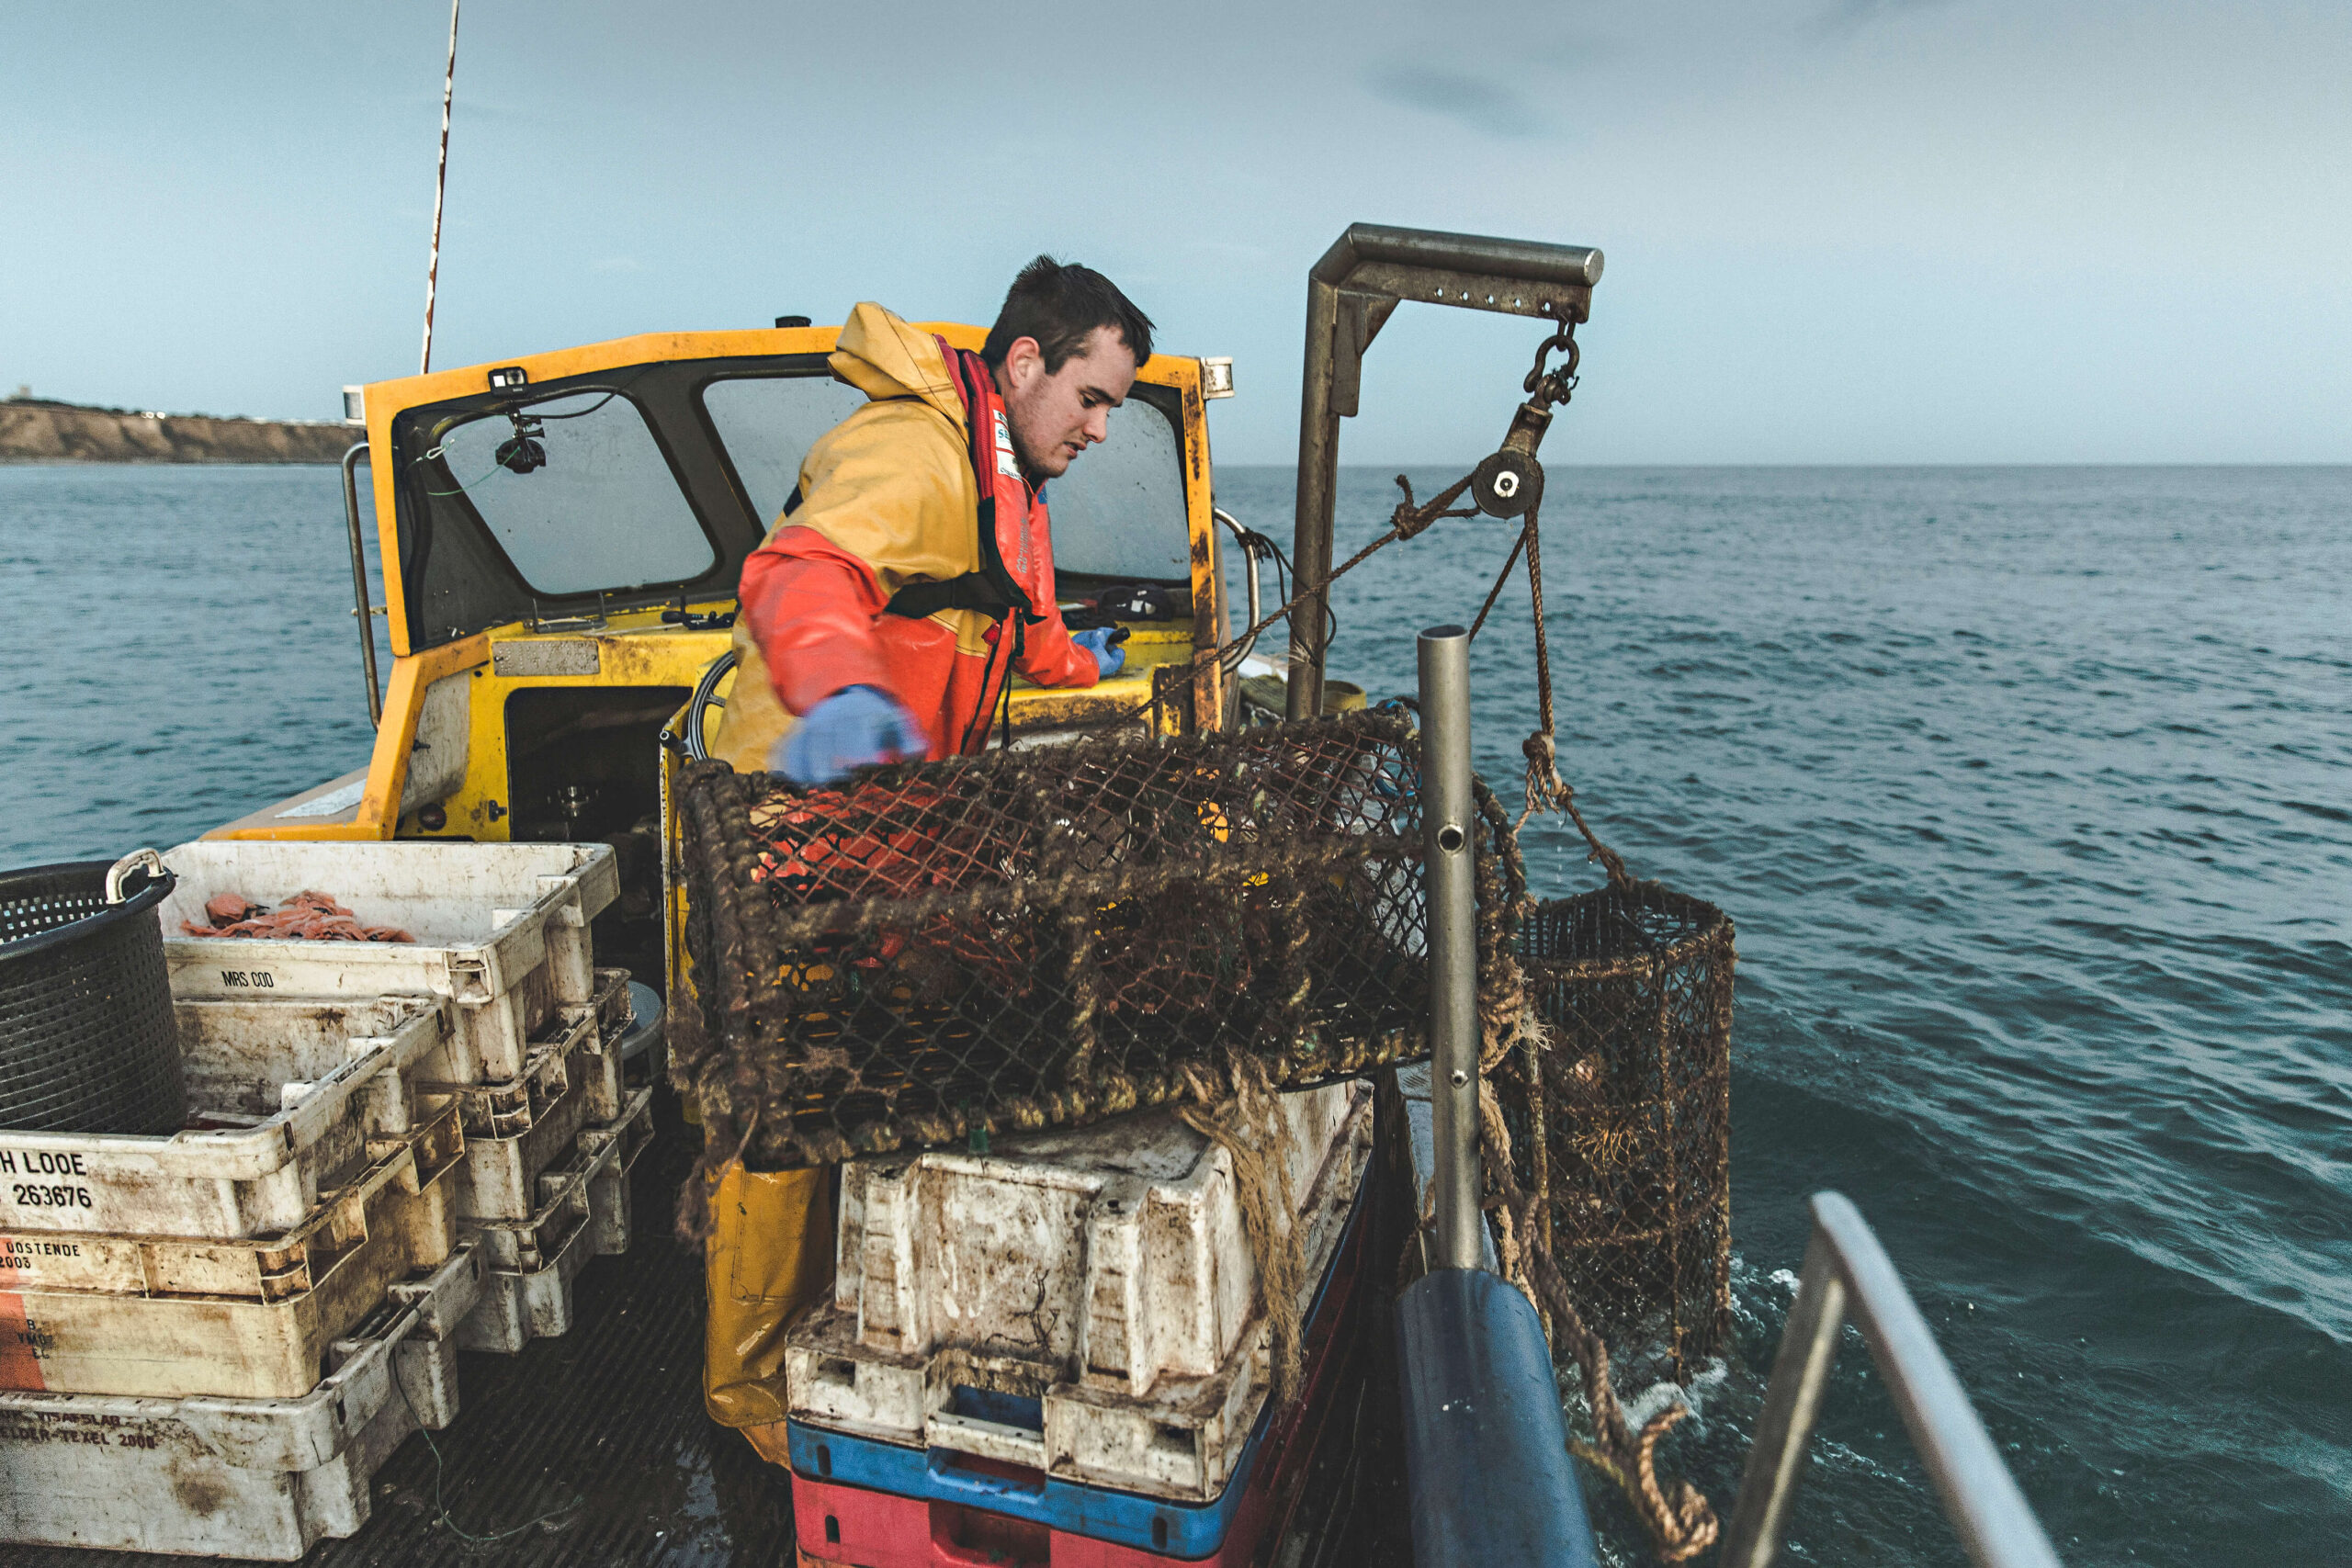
1055, 417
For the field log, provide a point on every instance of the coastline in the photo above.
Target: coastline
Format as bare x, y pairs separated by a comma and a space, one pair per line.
35, 431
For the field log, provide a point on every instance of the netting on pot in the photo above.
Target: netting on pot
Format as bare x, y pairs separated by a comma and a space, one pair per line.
1030, 938
1632, 983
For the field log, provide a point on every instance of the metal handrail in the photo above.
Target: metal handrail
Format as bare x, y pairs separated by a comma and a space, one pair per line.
1235, 653
1847, 1273
364, 609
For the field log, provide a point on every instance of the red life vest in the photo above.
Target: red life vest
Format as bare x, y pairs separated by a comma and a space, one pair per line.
1015, 579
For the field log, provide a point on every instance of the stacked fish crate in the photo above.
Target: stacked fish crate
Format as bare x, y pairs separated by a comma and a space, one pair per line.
1053, 1352
210, 1341
547, 1155
552, 1121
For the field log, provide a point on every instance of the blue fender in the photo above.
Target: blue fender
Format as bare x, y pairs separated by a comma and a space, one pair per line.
1486, 1445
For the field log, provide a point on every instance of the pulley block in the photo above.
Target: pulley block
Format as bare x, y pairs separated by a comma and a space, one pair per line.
1511, 482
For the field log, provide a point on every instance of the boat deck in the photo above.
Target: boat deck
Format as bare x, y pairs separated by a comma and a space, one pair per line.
602, 1436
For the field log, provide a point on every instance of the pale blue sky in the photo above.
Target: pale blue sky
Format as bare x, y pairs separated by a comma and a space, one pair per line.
1838, 231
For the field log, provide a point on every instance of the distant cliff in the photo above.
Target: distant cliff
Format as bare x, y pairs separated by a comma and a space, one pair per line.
34, 430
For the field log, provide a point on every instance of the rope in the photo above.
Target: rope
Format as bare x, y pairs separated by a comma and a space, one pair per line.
1546, 789
1405, 523
1497, 590
474, 1543
1244, 1118
1675, 1515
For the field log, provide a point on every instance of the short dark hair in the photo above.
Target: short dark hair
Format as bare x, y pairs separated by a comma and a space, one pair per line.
1059, 305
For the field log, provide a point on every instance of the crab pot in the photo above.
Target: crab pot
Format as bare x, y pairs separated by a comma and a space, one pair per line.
1634, 983
1045, 938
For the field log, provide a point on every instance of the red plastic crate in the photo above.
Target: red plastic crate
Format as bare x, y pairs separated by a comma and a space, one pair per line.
850, 1527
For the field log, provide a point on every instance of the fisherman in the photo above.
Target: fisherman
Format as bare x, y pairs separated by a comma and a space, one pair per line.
912, 570
911, 573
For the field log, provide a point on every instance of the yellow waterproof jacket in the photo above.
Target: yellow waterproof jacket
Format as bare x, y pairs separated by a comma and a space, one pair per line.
889, 498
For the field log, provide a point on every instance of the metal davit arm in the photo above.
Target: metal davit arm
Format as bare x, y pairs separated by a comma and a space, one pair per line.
1351, 293
1847, 1272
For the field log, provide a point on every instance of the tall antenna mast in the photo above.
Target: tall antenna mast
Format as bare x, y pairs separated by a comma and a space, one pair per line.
440, 183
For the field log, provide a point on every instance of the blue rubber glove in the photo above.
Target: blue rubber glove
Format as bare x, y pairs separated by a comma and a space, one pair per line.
855, 727
1103, 643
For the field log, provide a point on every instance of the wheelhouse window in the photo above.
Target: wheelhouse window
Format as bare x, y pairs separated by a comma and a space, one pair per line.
1118, 515
576, 491
632, 485
768, 423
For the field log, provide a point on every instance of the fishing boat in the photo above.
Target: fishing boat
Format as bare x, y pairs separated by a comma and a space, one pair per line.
561, 534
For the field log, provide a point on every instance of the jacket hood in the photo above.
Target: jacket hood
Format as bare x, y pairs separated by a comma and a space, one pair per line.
883, 358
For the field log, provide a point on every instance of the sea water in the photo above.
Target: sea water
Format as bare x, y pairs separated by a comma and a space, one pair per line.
2031, 791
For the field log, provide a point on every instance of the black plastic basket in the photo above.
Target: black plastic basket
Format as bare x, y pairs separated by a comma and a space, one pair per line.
87, 1041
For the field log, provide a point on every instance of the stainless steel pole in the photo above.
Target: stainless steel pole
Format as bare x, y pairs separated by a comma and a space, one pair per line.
365, 610
1446, 840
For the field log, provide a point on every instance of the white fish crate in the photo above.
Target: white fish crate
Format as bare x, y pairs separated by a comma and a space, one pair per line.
245, 1318
501, 929
518, 1129
261, 1479
1104, 1269
610, 1080
583, 1213
288, 1097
